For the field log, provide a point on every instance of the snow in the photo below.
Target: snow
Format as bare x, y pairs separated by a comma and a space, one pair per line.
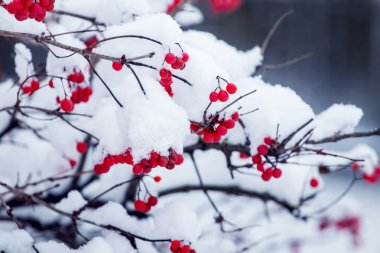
97, 244
23, 61
16, 241
336, 120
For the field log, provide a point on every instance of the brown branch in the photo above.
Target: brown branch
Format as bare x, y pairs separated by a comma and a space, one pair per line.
273, 30
336, 138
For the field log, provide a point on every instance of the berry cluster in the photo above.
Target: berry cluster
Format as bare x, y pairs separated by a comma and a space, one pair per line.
145, 206
76, 77
374, 177
176, 247
370, 178
34, 85
111, 160
176, 62
24, 9
215, 129
173, 6
350, 224
81, 94
78, 95
155, 160
166, 80
144, 166
262, 151
222, 95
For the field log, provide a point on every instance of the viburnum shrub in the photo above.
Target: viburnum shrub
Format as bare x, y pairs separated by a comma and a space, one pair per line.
138, 135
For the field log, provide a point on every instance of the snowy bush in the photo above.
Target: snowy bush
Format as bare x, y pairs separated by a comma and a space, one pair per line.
139, 136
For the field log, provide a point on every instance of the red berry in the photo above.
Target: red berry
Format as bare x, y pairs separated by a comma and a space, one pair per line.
82, 147
213, 96
256, 159
231, 88
163, 161
229, 123
157, 179
80, 77
355, 166
185, 57
216, 137
175, 246
372, 179
180, 159
72, 163
137, 169
67, 105
117, 66
170, 58
314, 182
100, 169
243, 156
221, 130
25, 89
185, 249
262, 150
51, 84
267, 174
223, 96
208, 137
277, 173
260, 167
165, 73
170, 165
235, 116
268, 140
152, 201
140, 205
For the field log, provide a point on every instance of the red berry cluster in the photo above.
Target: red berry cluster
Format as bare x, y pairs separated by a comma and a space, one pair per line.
155, 160
262, 150
144, 166
173, 6
176, 62
81, 94
176, 247
34, 85
166, 80
370, 178
350, 224
223, 95
215, 129
111, 160
24, 9
76, 77
145, 206
78, 95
